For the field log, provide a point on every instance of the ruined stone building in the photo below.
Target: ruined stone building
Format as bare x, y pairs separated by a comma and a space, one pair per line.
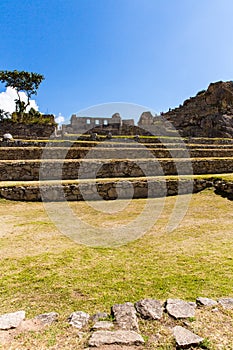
208, 114
114, 124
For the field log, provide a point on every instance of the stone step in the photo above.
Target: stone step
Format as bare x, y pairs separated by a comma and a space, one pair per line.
26, 153
30, 170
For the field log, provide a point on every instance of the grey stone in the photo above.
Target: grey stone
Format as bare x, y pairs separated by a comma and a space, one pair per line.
180, 309
125, 315
120, 337
104, 325
99, 316
205, 301
11, 320
184, 337
79, 319
48, 318
226, 303
150, 309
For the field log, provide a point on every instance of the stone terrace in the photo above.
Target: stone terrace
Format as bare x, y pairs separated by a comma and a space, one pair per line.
112, 166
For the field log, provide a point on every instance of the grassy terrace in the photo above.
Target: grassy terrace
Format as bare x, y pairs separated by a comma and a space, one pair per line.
226, 177
42, 270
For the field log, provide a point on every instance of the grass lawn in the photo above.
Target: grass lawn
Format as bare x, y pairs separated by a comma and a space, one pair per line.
43, 271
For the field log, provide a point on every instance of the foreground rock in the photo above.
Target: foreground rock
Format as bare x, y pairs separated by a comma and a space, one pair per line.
125, 315
180, 309
48, 318
185, 338
150, 309
11, 320
103, 325
206, 302
78, 319
226, 303
119, 337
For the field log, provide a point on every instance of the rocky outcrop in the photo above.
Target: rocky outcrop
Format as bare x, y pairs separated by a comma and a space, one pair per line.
208, 114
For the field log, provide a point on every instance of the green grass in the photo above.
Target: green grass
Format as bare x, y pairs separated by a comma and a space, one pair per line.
157, 265
42, 270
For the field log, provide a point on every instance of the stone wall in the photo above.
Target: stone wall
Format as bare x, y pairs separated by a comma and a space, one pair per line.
14, 153
102, 125
224, 188
20, 130
28, 170
103, 190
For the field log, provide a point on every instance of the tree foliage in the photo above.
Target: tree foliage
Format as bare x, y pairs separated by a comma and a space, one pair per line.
4, 115
22, 81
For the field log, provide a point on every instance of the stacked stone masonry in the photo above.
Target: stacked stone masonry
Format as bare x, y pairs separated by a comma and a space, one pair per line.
27, 153
32, 170
89, 169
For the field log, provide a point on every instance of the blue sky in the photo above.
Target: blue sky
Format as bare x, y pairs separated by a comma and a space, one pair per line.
154, 53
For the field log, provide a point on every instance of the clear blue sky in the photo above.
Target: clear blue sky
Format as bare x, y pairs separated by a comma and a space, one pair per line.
149, 52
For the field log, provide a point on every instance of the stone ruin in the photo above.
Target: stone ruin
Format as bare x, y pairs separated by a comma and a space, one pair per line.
82, 125
208, 114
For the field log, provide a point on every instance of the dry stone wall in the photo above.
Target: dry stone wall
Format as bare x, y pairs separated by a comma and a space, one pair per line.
103, 190
69, 169
20, 130
27, 153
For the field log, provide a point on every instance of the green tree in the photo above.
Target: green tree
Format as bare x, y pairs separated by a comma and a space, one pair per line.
4, 115
22, 81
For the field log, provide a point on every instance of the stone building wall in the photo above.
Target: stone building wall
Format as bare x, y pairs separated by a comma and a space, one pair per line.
101, 125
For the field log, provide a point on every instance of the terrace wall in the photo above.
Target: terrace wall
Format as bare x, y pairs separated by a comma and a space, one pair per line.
14, 153
70, 169
105, 190
20, 130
